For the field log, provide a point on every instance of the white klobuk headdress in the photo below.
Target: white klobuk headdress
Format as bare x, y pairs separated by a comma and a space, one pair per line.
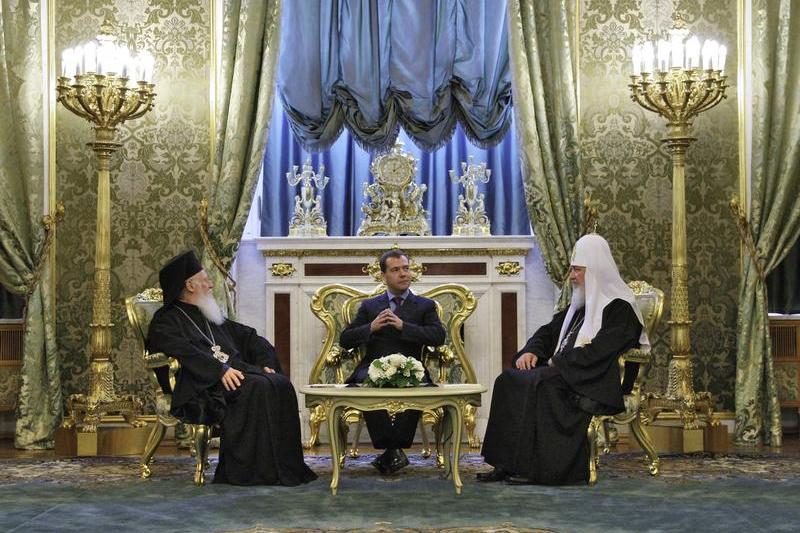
602, 285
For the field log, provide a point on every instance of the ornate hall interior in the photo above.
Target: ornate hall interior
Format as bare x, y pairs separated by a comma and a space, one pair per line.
290, 143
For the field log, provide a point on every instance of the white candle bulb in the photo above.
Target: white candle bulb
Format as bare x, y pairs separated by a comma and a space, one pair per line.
648, 56
663, 55
90, 57
636, 56
721, 53
676, 52
692, 53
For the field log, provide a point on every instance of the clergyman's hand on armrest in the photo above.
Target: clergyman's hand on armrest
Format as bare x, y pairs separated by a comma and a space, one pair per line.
527, 361
232, 379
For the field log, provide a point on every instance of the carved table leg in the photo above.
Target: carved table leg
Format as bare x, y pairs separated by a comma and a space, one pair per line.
336, 445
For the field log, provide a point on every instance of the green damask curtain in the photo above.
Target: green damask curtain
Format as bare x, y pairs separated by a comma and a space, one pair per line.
541, 48
783, 284
774, 208
250, 42
22, 186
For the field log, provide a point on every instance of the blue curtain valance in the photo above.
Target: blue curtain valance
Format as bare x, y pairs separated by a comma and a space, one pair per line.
374, 65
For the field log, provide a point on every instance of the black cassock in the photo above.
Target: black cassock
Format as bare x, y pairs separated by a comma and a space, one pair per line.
259, 424
539, 418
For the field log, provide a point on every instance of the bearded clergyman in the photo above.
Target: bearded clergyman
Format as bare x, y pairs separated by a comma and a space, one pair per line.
229, 377
566, 373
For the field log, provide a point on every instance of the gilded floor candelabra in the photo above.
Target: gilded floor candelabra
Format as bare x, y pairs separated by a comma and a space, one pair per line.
676, 81
97, 83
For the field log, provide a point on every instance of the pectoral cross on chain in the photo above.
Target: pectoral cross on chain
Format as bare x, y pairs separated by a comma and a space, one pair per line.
218, 354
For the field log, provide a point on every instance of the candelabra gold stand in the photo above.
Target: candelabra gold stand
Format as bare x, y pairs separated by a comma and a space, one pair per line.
679, 95
105, 100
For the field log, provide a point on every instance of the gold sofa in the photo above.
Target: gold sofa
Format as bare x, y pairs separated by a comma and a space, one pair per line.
141, 309
336, 305
650, 301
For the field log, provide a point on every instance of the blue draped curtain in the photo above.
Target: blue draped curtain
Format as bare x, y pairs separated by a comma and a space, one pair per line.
373, 66
347, 164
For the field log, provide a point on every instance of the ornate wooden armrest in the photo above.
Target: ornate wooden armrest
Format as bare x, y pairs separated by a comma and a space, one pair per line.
156, 360
635, 355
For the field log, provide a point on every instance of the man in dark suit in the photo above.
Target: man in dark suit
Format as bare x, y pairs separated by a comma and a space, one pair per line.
396, 321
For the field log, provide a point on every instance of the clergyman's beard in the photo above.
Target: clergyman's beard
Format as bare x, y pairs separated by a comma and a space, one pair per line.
210, 309
578, 296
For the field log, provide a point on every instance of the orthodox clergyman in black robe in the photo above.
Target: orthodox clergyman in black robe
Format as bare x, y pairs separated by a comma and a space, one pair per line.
229, 376
566, 373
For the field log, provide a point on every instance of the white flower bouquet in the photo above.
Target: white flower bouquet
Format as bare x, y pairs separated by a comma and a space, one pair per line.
395, 370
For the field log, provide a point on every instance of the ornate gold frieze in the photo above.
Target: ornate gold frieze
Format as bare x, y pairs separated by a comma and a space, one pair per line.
374, 269
282, 270
371, 252
508, 268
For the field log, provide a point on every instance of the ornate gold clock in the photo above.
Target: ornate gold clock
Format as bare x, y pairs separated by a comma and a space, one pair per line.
393, 203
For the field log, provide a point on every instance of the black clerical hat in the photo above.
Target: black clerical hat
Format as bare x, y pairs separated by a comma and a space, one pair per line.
175, 273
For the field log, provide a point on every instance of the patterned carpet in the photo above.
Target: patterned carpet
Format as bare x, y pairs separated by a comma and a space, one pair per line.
674, 468
386, 527
697, 492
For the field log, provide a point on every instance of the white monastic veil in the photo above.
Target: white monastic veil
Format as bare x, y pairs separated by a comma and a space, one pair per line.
602, 285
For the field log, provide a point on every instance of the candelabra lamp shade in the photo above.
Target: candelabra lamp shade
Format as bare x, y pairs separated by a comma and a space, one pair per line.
104, 83
678, 79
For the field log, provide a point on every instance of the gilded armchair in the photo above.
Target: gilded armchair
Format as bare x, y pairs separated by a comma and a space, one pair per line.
141, 309
336, 305
650, 301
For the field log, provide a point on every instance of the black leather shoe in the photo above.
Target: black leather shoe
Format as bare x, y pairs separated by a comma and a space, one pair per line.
519, 480
396, 459
496, 474
380, 464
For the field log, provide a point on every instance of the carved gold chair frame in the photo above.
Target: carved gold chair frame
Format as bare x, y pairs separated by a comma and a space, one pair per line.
336, 305
141, 309
650, 301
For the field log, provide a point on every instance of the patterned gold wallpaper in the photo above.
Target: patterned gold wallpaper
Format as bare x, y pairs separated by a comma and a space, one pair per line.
629, 174
158, 177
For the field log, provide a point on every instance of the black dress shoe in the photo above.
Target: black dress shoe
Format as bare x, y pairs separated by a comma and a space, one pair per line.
519, 480
380, 464
496, 474
396, 459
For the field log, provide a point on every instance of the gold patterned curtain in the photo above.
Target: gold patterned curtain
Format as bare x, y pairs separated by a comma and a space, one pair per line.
22, 189
250, 41
774, 209
541, 48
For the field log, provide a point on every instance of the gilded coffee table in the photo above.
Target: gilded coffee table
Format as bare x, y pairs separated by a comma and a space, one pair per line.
452, 398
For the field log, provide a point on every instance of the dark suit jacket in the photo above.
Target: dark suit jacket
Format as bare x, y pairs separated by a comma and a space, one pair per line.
421, 327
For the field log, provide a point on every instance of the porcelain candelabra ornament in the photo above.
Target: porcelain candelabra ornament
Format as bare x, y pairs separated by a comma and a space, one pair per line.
307, 220
679, 79
471, 219
104, 83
